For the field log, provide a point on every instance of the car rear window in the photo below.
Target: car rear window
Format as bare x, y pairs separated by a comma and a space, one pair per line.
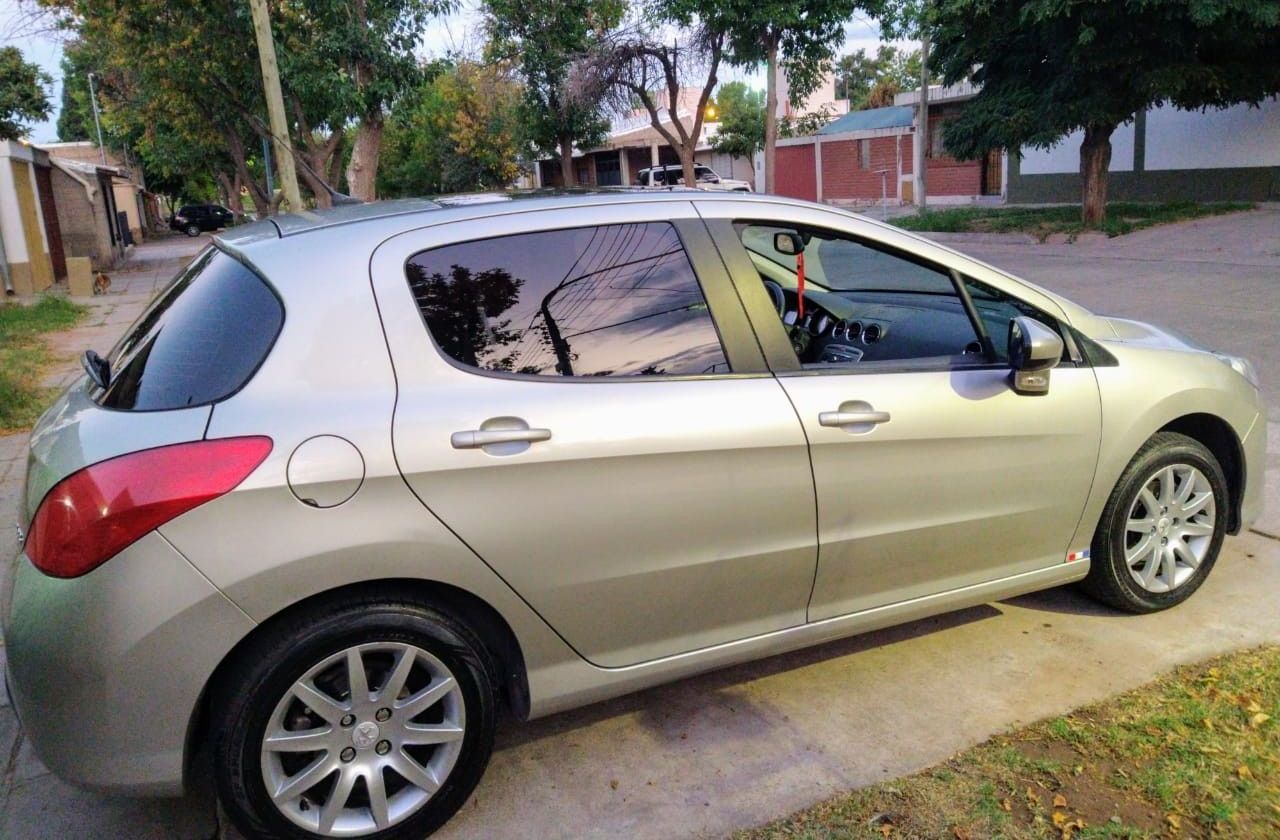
199, 342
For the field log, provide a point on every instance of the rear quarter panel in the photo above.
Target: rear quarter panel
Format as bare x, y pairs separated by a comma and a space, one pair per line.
330, 374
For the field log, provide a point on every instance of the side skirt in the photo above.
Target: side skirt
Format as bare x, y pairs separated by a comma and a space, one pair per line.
567, 685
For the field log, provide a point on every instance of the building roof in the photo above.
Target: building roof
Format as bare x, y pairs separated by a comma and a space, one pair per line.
894, 116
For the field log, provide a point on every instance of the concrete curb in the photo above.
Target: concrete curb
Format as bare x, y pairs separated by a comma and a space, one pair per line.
981, 238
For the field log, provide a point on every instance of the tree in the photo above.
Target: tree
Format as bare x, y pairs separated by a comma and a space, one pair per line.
543, 39
639, 64
870, 81
175, 86
1047, 68
22, 94
75, 119
370, 45
455, 132
741, 112
760, 31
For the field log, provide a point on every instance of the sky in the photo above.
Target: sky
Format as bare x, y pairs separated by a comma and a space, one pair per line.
456, 32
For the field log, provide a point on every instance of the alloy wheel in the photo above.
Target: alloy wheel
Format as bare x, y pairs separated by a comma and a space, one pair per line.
363, 739
1169, 528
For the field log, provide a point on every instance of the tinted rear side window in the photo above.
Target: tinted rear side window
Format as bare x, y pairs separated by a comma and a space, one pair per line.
616, 300
199, 342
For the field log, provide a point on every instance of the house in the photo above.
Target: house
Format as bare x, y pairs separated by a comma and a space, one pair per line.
1163, 154
25, 260
127, 185
634, 144
1167, 154
868, 157
90, 222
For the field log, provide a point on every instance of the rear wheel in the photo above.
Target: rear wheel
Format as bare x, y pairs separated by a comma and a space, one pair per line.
1162, 528
191, 230
374, 719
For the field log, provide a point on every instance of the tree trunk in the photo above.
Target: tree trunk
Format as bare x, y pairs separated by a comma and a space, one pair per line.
566, 161
362, 172
228, 187
1095, 162
771, 120
314, 184
335, 167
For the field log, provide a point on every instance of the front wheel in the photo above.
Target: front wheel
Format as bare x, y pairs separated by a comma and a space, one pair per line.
192, 230
1162, 528
372, 719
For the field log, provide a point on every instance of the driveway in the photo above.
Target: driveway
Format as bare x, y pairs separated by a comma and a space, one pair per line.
747, 744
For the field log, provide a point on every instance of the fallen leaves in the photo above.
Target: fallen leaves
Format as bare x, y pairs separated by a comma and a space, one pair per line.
1258, 719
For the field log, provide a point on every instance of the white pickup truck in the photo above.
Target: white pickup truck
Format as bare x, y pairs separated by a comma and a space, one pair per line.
707, 179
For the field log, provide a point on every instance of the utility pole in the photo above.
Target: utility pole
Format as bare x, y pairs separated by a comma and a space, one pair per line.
275, 104
97, 121
266, 160
922, 128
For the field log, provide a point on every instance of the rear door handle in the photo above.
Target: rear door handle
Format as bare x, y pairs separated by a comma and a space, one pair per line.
480, 438
840, 419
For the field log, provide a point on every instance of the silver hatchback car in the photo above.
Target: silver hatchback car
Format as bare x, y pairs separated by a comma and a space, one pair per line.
358, 477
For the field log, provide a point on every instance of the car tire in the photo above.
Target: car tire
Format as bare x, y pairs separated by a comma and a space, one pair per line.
191, 230
1146, 523
255, 698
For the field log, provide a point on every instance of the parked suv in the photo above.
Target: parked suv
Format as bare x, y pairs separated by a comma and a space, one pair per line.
357, 477
192, 219
670, 176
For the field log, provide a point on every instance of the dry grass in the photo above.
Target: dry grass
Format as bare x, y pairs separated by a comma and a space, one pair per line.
1122, 217
1196, 754
23, 356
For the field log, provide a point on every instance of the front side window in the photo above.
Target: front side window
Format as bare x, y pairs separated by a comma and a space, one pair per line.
615, 300
860, 303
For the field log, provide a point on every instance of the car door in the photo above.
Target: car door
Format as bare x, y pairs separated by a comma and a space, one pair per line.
581, 399
931, 473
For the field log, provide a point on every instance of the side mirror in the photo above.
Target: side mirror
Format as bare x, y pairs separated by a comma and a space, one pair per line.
1034, 350
788, 243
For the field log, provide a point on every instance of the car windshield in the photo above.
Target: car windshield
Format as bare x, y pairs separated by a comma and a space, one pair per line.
841, 264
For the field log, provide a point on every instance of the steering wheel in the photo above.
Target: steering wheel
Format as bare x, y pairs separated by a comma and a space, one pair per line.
779, 299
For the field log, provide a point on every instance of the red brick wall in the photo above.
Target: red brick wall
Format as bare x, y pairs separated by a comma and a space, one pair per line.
796, 172
844, 177
908, 154
954, 177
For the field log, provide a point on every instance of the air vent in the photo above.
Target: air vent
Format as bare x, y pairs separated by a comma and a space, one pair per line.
872, 333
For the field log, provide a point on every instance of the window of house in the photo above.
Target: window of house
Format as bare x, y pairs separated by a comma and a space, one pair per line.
615, 300
937, 148
864, 153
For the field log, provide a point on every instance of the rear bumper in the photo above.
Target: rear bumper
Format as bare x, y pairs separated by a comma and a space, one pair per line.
106, 671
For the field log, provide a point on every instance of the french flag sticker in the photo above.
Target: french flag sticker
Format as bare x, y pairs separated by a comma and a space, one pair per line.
1077, 555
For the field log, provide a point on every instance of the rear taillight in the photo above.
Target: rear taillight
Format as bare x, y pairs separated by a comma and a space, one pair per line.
94, 514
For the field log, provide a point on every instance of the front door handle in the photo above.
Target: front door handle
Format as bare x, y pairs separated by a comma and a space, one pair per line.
481, 438
840, 419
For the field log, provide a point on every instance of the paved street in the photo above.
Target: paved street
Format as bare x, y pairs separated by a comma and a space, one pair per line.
751, 743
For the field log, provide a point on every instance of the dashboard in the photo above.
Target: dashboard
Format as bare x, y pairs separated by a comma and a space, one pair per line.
857, 326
